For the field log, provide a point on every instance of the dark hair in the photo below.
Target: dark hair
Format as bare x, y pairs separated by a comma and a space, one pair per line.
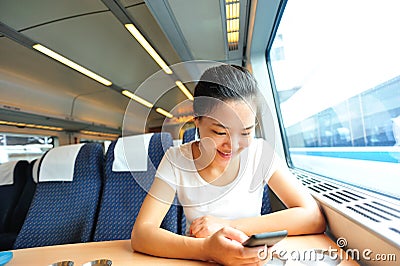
225, 83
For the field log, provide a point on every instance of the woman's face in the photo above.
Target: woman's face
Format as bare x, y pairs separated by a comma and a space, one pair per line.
226, 131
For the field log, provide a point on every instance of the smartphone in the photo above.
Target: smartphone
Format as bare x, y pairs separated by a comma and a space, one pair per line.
268, 238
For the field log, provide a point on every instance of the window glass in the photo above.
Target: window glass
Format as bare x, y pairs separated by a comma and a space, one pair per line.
336, 68
15, 147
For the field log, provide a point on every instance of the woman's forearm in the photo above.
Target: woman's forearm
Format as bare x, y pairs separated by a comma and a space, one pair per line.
296, 220
147, 236
159, 242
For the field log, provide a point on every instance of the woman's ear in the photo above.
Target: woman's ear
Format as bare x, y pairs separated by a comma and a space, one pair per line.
196, 122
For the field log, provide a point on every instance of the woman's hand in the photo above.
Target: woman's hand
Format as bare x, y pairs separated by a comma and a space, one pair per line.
225, 247
207, 225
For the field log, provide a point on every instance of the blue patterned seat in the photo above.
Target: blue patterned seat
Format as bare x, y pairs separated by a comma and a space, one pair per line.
10, 195
266, 204
64, 212
189, 135
124, 192
24, 201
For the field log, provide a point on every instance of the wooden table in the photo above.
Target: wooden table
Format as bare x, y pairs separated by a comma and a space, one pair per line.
304, 246
120, 253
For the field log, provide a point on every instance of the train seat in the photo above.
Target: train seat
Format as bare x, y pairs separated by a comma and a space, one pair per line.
126, 186
189, 135
24, 202
66, 199
12, 182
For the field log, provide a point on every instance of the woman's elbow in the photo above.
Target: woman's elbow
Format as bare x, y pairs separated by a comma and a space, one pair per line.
136, 242
133, 240
318, 221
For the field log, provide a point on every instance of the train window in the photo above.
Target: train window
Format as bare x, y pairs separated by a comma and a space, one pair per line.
336, 72
14, 147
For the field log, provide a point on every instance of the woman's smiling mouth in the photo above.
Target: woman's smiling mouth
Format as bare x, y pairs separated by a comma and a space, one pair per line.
225, 155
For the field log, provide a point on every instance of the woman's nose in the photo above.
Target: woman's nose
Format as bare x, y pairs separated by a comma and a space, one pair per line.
232, 141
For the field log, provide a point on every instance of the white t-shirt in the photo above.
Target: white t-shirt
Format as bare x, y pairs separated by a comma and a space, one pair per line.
239, 199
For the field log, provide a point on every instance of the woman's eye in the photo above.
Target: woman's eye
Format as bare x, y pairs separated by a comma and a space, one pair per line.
246, 133
219, 133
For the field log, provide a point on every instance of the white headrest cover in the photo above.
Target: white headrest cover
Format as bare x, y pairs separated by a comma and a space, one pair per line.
59, 163
35, 169
130, 153
7, 173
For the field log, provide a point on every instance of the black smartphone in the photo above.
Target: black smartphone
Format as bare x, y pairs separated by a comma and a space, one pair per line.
268, 238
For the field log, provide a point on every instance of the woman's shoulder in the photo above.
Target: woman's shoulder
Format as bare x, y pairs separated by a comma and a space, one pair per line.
179, 157
184, 150
261, 149
261, 144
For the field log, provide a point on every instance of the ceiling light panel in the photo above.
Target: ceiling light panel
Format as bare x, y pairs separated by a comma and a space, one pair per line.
24, 125
100, 43
149, 49
71, 64
232, 8
152, 31
137, 98
165, 113
184, 90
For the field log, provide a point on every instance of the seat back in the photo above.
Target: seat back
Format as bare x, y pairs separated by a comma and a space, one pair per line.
64, 211
10, 192
13, 179
124, 192
266, 203
190, 134
24, 202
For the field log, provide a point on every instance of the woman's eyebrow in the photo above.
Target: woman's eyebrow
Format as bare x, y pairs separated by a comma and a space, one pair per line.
250, 127
220, 125
224, 127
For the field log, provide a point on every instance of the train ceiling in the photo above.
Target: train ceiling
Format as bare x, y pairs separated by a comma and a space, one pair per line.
91, 33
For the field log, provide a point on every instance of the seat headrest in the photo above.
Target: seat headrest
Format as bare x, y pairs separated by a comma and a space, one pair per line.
57, 164
190, 134
130, 153
7, 173
35, 169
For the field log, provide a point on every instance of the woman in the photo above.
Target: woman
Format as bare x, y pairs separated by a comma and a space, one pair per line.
219, 181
